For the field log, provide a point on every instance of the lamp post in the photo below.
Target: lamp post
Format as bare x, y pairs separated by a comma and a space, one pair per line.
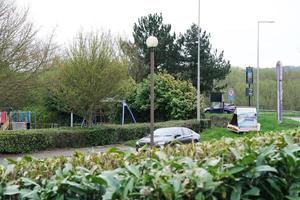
257, 76
198, 74
151, 43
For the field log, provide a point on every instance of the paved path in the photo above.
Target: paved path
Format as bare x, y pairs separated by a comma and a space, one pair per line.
295, 118
64, 152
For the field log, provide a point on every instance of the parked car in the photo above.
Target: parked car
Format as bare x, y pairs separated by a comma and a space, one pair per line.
164, 136
228, 108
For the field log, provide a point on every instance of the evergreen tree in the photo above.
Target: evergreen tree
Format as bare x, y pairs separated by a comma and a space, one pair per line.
213, 65
167, 52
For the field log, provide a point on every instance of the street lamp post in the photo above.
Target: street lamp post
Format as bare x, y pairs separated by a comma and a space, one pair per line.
198, 74
151, 43
257, 75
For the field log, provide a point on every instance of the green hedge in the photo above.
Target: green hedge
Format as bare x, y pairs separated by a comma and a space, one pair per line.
264, 167
40, 139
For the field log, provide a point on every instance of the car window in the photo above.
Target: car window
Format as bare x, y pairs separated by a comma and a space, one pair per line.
167, 132
180, 131
186, 131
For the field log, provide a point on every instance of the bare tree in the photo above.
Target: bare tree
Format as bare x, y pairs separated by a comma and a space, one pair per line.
22, 54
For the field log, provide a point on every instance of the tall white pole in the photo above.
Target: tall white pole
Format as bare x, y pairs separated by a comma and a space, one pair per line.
257, 76
123, 112
72, 119
198, 77
279, 77
257, 71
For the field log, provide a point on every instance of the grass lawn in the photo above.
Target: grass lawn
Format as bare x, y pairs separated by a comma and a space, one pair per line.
268, 121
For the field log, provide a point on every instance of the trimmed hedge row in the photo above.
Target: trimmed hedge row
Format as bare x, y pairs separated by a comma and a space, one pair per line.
40, 139
220, 121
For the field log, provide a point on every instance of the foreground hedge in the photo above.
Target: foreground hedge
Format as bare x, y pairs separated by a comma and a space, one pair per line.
262, 167
32, 140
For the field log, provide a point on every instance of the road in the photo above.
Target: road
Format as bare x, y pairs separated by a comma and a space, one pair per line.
64, 152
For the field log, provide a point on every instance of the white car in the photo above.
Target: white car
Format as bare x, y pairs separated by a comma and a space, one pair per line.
164, 136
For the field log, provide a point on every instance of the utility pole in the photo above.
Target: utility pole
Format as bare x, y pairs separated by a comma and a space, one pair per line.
198, 74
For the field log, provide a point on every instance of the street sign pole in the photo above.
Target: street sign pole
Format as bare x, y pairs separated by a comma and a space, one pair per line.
249, 98
249, 81
279, 77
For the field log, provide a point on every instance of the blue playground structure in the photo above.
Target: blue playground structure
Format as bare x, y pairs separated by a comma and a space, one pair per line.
17, 120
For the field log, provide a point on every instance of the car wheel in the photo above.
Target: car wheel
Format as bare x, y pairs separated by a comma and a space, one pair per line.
195, 141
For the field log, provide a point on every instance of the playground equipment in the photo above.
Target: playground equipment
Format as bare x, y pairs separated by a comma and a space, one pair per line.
124, 105
110, 100
244, 120
18, 120
4, 121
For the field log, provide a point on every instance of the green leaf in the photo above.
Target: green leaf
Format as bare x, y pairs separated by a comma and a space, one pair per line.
9, 169
264, 152
292, 148
133, 170
288, 140
213, 162
128, 188
254, 191
187, 160
294, 189
27, 158
235, 153
161, 155
28, 182
274, 185
11, 190
111, 181
236, 193
98, 180
74, 184
11, 161
200, 196
115, 150
249, 159
292, 198
265, 168
29, 194
167, 190
236, 169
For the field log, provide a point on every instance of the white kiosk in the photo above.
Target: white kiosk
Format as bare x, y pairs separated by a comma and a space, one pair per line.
244, 120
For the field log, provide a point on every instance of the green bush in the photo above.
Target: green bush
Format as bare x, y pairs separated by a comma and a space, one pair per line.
262, 167
219, 120
174, 99
40, 139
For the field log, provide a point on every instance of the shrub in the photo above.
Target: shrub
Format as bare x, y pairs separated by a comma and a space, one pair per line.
262, 167
174, 98
40, 139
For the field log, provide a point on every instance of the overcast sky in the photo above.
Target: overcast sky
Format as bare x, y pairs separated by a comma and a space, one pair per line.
232, 23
